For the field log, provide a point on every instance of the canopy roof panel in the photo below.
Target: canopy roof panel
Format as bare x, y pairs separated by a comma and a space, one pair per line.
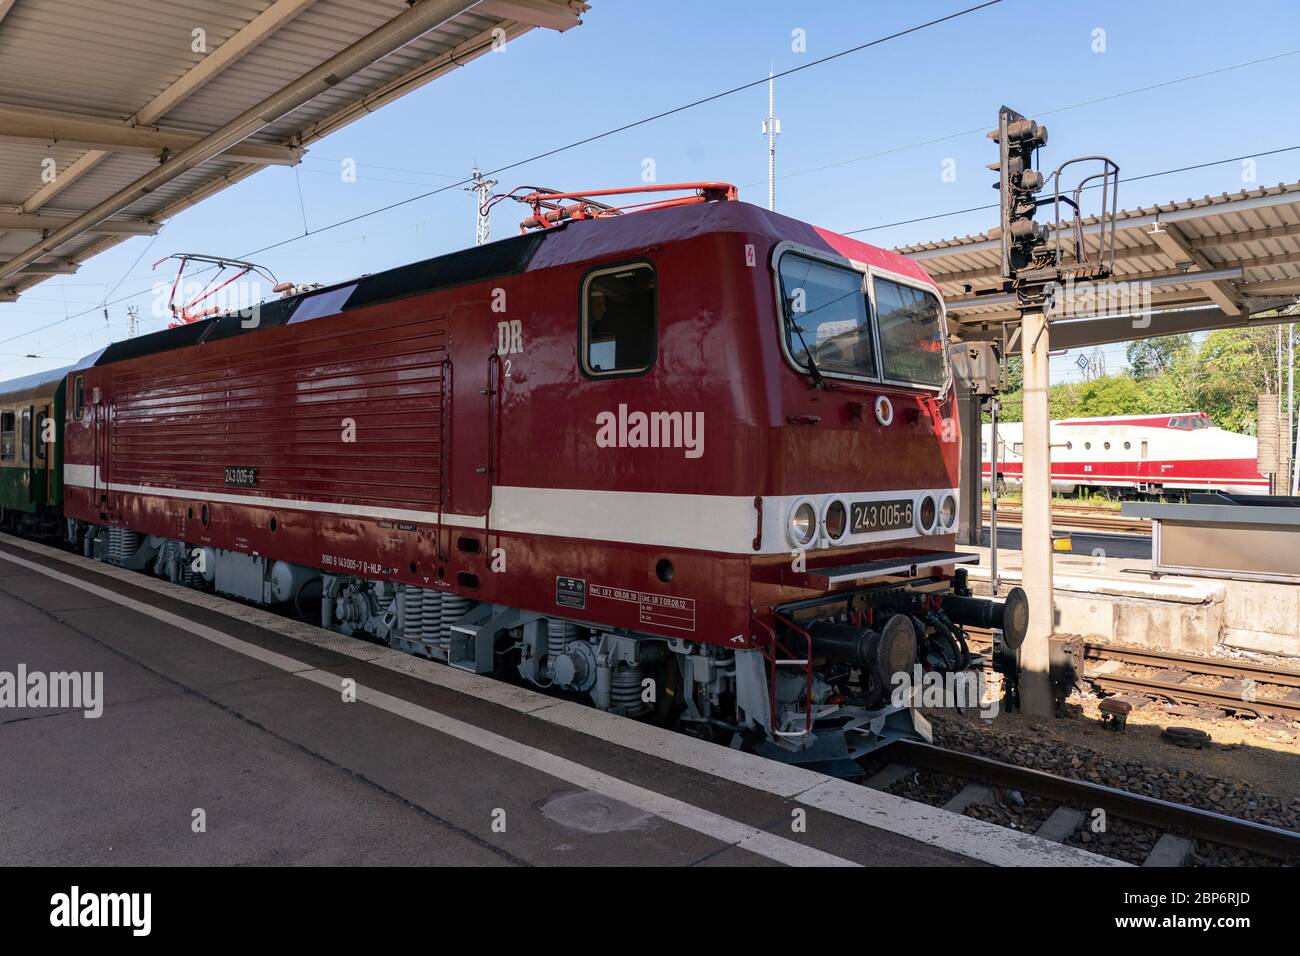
106, 92
1238, 253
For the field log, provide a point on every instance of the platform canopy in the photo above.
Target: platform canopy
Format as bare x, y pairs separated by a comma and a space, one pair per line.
117, 114
1213, 262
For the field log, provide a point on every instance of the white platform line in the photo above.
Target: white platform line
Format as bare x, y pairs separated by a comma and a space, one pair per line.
955, 833
683, 814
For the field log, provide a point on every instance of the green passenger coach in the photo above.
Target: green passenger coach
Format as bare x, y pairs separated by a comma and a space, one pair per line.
31, 458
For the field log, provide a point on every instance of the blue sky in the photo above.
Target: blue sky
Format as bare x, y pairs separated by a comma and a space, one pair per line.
897, 104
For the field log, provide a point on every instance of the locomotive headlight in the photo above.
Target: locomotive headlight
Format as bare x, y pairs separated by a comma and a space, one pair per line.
948, 511
803, 523
925, 514
835, 520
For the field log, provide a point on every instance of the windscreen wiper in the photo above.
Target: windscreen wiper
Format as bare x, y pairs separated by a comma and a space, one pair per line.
813, 371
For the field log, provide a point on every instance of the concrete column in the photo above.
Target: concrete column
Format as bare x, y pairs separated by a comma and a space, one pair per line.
1036, 523
970, 489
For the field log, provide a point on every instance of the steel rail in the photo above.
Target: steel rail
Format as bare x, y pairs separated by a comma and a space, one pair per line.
1214, 827
1099, 521
1230, 700
1128, 654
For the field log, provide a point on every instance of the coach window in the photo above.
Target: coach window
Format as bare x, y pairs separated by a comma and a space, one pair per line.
7, 436
618, 329
38, 434
825, 313
26, 437
911, 337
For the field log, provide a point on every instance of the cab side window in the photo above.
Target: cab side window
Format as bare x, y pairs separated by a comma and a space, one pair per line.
618, 328
79, 398
8, 436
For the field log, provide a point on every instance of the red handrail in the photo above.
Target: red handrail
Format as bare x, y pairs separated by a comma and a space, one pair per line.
779, 656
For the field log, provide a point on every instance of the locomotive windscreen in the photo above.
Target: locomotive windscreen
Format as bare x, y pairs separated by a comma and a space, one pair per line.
911, 340
826, 314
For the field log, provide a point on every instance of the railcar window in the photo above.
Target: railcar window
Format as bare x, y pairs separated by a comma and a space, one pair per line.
7, 436
38, 434
911, 340
79, 398
619, 335
26, 438
826, 314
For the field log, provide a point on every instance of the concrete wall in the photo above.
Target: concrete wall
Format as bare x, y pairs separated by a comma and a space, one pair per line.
1189, 614
1262, 617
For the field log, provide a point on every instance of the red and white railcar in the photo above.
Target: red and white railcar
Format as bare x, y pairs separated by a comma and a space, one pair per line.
1146, 454
698, 461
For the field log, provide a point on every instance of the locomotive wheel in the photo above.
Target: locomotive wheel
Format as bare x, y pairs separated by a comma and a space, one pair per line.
307, 601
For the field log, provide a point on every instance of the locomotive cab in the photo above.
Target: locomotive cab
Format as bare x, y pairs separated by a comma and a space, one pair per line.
861, 600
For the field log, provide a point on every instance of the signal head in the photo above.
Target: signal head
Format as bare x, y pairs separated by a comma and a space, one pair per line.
1027, 133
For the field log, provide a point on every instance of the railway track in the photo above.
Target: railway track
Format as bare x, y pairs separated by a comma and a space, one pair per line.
1234, 687
985, 781
1079, 519
1239, 687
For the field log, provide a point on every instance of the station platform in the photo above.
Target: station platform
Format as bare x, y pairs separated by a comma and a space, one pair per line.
1115, 597
224, 714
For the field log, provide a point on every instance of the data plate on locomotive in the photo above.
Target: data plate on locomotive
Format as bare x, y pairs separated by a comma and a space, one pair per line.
868, 516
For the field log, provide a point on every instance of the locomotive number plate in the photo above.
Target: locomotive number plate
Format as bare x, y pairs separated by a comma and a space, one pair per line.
241, 477
893, 515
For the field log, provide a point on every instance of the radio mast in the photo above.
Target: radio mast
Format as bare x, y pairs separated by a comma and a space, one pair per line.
771, 128
482, 188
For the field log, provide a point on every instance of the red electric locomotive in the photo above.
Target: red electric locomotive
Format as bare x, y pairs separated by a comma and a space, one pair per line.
697, 463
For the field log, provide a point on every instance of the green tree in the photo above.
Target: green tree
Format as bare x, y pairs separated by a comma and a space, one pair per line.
1232, 367
1151, 357
1015, 373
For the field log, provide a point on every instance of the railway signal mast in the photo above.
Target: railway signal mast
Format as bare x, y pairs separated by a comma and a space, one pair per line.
1040, 270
